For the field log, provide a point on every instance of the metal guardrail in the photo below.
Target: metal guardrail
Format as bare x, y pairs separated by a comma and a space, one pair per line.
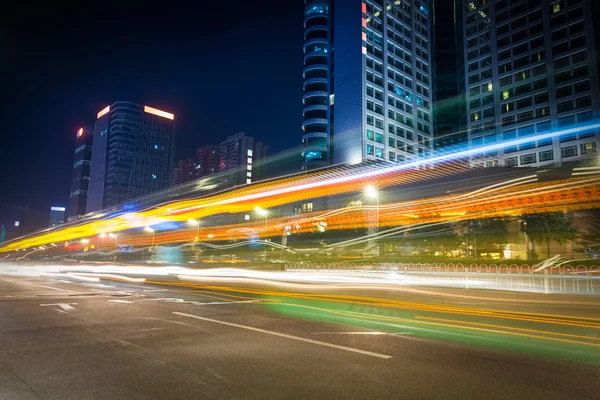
561, 279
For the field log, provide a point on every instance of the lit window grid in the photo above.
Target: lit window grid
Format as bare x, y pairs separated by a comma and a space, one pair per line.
417, 147
496, 76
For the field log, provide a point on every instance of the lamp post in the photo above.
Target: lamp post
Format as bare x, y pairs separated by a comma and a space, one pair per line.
193, 222
372, 193
113, 236
150, 230
262, 212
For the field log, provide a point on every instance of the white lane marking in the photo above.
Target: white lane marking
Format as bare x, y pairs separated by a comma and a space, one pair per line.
298, 338
155, 290
64, 306
50, 287
121, 301
33, 284
98, 285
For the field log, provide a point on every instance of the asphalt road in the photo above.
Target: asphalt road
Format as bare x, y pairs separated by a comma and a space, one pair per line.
77, 340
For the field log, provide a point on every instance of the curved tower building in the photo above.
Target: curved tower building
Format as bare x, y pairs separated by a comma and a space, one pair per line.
316, 125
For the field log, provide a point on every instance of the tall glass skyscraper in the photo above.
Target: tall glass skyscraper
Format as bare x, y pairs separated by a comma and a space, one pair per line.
81, 173
368, 81
528, 67
132, 155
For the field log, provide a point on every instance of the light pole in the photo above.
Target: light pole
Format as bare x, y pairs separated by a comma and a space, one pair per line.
262, 212
193, 222
112, 235
102, 236
150, 230
372, 193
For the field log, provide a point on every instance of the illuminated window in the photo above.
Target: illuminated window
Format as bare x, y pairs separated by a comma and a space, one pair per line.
249, 167
556, 7
155, 147
249, 174
249, 160
247, 217
17, 223
490, 86
248, 180
307, 207
588, 148
471, 6
249, 153
153, 176
505, 94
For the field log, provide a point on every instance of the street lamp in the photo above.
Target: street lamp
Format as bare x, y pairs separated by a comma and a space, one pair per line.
113, 236
150, 230
262, 212
372, 193
102, 236
193, 222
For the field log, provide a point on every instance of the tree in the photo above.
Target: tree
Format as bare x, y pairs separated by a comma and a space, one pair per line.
486, 235
549, 227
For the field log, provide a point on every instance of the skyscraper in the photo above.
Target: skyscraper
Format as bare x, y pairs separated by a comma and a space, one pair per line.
242, 159
81, 173
367, 69
57, 216
132, 155
528, 67
207, 160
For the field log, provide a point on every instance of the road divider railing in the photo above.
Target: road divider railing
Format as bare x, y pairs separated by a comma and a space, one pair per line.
560, 278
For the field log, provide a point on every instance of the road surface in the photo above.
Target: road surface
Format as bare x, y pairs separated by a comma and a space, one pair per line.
72, 339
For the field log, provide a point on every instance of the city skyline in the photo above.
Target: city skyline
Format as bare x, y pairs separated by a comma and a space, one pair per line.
64, 85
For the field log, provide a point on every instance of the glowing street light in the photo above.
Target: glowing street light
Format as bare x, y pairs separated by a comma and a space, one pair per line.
84, 241
372, 193
102, 236
150, 230
193, 222
262, 212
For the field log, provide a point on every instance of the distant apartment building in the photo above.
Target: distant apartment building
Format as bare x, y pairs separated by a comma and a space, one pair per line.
207, 160
132, 156
242, 159
185, 171
57, 216
528, 67
80, 178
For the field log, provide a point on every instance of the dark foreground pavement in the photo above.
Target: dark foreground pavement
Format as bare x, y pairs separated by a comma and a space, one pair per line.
61, 340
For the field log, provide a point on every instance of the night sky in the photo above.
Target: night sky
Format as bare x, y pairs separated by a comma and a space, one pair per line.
221, 68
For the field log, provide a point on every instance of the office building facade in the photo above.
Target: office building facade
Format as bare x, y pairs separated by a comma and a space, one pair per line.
57, 216
369, 63
80, 178
132, 155
242, 159
528, 67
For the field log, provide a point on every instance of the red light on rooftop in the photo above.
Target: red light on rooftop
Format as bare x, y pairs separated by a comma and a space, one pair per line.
80, 132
